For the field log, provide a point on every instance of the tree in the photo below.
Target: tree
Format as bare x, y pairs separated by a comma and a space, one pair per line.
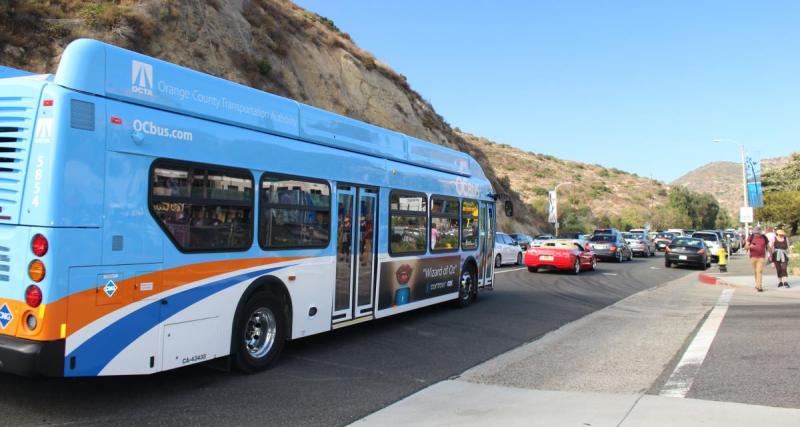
781, 207
782, 195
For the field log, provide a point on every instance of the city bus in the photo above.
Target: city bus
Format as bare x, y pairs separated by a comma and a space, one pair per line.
154, 217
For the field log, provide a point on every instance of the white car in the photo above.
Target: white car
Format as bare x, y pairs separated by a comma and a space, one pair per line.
506, 250
712, 241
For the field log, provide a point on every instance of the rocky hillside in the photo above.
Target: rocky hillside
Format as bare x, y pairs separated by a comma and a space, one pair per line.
605, 192
724, 181
279, 47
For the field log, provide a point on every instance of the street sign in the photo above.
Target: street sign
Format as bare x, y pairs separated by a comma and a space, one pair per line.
746, 214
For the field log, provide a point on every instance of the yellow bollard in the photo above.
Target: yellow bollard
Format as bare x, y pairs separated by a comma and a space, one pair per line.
723, 259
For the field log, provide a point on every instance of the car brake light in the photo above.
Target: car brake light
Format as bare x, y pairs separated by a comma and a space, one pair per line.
39, 245
36, 270
612, 247
33, 296
701, 252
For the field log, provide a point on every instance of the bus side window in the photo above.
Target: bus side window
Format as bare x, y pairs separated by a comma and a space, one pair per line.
444, 224
295, 213
469, 224
203, 208
408, 217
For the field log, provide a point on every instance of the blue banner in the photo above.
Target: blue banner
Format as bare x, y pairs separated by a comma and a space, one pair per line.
755, 194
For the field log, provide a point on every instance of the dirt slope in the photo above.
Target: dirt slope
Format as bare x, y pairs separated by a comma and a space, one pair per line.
279, 47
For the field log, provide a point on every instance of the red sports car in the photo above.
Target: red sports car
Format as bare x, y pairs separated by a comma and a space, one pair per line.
562, 255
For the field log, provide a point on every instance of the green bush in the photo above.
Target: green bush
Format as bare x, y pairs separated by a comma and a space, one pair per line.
263, 67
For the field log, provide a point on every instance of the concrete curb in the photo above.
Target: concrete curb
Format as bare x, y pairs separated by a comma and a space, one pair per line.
717, 281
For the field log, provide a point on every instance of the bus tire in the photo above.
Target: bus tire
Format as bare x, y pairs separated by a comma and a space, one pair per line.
259, 333
467, 288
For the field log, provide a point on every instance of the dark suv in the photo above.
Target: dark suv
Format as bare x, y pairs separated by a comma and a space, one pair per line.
523, 239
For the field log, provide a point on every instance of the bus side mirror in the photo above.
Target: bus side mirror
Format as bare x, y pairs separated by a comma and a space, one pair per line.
509, 208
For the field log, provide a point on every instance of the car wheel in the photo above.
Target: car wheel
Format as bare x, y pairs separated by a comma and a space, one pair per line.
466, 288
519, 259
619, 257
259, 333
498, 261
594, 263
667, 264
576, 269
533, 269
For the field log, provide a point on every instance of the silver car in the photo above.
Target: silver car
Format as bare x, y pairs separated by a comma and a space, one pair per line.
639, 243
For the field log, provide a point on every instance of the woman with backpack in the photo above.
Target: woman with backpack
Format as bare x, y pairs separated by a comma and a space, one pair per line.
780, 256
758, 246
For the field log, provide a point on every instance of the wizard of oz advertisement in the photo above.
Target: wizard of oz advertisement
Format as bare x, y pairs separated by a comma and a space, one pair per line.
404, 282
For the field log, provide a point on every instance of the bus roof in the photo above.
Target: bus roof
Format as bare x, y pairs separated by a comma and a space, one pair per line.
102, 69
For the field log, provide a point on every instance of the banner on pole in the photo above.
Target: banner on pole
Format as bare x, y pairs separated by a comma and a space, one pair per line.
552, 216
755, 194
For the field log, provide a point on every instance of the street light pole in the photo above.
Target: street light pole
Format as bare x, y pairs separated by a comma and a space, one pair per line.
555, 190
745, 202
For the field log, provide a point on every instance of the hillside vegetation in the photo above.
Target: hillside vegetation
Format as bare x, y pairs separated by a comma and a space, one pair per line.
723, 180
281, 48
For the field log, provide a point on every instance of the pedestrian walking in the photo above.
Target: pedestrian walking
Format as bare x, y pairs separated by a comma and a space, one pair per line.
770, 235
780, 256
758, 246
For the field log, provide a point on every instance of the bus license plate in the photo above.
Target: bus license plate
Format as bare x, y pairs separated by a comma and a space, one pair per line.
546, 258
682, 257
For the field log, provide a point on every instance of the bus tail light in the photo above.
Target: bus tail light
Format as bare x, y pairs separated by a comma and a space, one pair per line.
36, 270
33, 296
39, 245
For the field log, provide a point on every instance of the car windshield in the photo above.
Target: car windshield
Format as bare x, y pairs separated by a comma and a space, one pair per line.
604, 238
691, 243
665, 235
708, 237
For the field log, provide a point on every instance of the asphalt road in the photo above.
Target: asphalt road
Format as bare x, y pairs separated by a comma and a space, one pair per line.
339, 377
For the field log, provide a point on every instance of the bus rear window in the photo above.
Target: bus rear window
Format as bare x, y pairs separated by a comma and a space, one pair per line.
203, 208
295, 213
408, 223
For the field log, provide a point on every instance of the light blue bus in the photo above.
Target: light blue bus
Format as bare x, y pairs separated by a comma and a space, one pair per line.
153, 217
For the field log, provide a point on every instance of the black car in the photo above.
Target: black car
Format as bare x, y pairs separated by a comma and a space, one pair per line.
687, 251
610, 247
523, 239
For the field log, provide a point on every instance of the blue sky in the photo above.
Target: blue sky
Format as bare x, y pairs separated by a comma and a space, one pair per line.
643, 86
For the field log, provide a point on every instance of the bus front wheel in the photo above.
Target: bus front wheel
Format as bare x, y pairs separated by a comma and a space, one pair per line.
259, 334
467, 290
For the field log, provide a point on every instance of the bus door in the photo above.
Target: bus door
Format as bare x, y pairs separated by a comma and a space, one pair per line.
356, 234
487, 245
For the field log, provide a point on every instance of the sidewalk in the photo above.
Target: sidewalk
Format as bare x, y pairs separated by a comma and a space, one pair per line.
597, 371
462, 403
740, 274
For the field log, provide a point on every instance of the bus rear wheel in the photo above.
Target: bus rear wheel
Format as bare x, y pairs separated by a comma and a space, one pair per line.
259, 333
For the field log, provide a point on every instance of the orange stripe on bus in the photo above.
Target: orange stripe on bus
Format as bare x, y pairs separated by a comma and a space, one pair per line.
82, 308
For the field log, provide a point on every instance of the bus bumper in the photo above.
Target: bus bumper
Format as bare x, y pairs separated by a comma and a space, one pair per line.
31, 358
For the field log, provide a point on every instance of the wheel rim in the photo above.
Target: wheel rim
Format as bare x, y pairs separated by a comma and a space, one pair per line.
466, 285
498, 261
594, 263
577, 266
260, 332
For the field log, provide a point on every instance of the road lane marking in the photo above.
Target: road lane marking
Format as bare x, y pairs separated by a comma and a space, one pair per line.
680, 382
609, 274
508, 271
